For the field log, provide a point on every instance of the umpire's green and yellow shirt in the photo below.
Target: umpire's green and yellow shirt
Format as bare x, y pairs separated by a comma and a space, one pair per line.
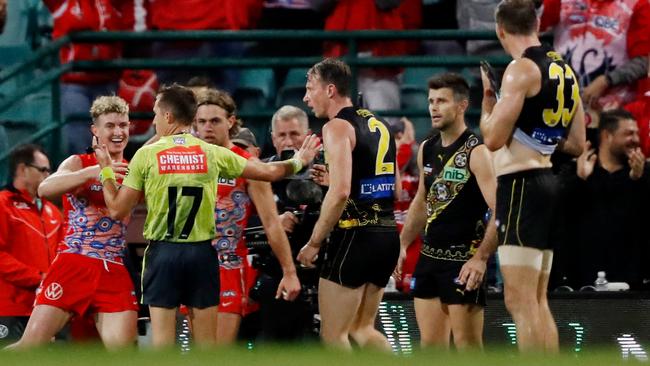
178, 175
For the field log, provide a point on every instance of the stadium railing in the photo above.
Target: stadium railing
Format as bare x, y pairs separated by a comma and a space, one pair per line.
44, 70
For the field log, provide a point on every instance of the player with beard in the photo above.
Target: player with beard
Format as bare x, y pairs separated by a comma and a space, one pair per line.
457, 186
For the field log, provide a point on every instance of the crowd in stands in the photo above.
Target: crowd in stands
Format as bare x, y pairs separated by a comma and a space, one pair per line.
607, 43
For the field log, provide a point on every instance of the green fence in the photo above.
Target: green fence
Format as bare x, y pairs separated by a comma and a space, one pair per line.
44, 71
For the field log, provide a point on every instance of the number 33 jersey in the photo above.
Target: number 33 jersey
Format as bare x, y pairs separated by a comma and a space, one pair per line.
371, 199
178, 176
545, 118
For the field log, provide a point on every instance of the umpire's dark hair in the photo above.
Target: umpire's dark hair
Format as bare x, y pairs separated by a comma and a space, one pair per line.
22, 154
609, 119
179, 101
453, 81
200, 81
517, 16
333, 71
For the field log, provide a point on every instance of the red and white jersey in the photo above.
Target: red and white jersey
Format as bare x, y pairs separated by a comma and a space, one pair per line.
89, 229
595, 37
90, 15
232, 211
204, 14
134, 13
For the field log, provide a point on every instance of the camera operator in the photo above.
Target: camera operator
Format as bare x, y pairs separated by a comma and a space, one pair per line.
298, 199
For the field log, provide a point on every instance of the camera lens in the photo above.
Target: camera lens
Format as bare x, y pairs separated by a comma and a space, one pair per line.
287, 154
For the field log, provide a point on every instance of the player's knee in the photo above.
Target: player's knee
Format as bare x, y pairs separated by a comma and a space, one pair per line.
518, 302
434, 340
334, 338
37, 333
543, 305
117, 343
361, 329
469, 339
361, 334
119, 340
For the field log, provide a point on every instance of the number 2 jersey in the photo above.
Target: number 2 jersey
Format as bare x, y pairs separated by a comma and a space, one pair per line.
177, 175
371, 200
546, 117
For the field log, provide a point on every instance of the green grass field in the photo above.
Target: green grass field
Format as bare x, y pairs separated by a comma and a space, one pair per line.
298, 356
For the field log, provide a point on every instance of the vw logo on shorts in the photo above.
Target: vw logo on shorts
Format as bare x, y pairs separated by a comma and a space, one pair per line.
54, 291
4, 331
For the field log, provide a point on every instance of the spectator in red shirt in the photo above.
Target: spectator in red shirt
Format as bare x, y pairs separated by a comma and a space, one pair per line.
202, 15
30, 230
380, 86
80, 88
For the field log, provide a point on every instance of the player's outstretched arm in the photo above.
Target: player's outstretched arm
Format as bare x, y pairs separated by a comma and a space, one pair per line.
275, 171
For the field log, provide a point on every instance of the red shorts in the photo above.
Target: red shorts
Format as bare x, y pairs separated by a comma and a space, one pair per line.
78, 284
235, 286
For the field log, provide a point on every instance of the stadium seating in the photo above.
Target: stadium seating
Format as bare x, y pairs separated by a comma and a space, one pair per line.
22, 24
255, 90
414, 94
417, 77
18, 131
13, 54
4, 146
34, 108
293, 89
25, 118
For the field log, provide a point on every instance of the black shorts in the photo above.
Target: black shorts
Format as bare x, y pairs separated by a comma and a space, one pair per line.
358, 256
525, 208
434, 278
12, 328
180, 273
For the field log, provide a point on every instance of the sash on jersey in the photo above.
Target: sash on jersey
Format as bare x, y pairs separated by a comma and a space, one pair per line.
450, 180
366, 217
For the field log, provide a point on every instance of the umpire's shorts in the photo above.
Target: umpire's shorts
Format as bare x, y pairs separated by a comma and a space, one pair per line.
180, 273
